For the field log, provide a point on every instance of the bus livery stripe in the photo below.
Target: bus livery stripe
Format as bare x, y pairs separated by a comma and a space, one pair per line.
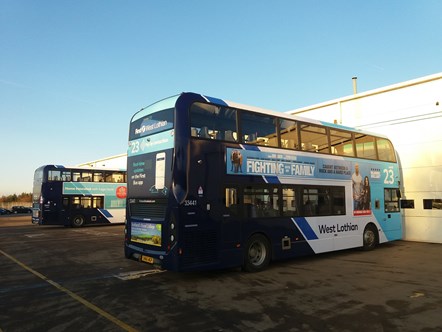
215, 100
271, 179
305, 228
105, 213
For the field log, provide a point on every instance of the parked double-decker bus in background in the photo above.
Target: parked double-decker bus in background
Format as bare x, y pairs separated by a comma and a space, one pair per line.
78, 196
215, 184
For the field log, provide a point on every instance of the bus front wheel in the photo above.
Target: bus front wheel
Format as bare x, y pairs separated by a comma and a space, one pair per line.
370, 237
78, 221
257, 253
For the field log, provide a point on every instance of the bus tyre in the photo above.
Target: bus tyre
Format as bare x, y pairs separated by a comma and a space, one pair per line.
370, 237
78, 221
257, 253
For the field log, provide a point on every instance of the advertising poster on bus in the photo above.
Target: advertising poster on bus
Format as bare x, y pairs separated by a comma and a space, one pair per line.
146, 233
291, 165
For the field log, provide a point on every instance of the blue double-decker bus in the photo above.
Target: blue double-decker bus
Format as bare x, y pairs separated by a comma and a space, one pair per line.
78, 196
215, 184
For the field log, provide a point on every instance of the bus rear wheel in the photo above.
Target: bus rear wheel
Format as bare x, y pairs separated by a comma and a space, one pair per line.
257, 254
370, 237
78, 221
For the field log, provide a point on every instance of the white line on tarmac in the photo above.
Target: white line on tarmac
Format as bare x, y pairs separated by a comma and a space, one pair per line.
137, 274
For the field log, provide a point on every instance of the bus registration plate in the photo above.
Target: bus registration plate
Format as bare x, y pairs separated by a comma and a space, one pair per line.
147, 259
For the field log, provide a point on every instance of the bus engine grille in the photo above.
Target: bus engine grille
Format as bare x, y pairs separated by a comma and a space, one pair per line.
200, 247
148, 210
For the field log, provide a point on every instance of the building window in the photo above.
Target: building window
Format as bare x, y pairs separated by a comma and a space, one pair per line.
407, 203
433, 204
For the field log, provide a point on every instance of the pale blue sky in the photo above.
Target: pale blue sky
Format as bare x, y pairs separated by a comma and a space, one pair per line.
72, 73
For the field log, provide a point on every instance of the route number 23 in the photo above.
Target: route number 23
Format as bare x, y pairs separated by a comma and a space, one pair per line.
389, 176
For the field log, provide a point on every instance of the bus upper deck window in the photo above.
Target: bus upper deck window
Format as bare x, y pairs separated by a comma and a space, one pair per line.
54, 176
385, 150
288, 134
258, 129
314, 138
210, 121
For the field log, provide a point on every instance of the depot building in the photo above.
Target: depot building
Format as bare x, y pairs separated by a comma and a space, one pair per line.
410, 114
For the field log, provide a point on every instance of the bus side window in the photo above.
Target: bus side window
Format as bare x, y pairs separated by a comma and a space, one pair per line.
314, 138
66, 176
341, 143
391, 200
54, 175
76, 176
231, 201
98, 177
66, 201
289, 204
259, 129
338, 200
310, 201
97, 202
365, 146
288, 134
261, 202
209, 121
230, 136
204, 132
108, 177
86, 177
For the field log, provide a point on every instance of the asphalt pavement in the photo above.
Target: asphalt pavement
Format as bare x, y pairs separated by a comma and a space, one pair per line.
66, 279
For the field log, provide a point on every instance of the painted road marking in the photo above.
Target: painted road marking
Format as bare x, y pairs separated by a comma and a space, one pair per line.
76, 297
94, 232
137, 274
35, 235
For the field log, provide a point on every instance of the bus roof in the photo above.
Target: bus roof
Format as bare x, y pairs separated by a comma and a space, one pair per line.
52, 166
171, 102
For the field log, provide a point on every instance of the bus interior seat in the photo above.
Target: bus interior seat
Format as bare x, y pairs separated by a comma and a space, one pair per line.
228, 136
252, 137
204, 132
250, 210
